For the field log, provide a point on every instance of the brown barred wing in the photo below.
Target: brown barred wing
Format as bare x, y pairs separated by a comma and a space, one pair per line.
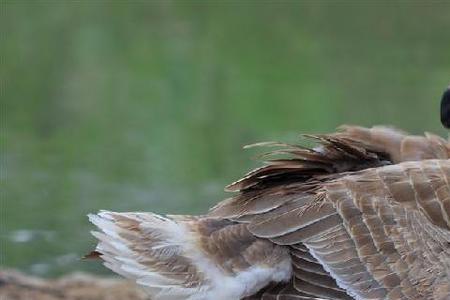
396, 220
380, 233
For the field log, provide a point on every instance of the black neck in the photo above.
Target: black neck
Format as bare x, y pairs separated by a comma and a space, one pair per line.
445, 108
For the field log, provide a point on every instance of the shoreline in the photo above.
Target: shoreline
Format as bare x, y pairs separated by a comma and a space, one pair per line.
15, 285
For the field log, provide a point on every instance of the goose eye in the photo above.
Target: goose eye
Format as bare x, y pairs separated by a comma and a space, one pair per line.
445, 108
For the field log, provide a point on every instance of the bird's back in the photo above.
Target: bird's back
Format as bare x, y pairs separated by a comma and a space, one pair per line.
364, 215
367, 212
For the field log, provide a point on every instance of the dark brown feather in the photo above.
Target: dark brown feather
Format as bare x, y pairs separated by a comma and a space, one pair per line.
352, 201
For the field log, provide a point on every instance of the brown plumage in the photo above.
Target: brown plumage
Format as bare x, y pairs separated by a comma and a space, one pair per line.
364, 215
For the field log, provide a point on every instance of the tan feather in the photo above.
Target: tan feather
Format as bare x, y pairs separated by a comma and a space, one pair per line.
364, 215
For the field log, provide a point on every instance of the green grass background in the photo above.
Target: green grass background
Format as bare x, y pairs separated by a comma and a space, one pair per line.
144, 105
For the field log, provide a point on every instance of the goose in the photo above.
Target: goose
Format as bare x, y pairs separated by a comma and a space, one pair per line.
365, 214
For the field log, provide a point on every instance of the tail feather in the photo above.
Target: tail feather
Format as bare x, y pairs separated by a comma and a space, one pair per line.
146, 248
186, 257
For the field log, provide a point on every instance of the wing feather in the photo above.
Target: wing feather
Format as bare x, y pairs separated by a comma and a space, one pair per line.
357, 215
364, 215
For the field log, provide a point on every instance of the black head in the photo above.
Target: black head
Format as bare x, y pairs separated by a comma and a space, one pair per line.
445, 108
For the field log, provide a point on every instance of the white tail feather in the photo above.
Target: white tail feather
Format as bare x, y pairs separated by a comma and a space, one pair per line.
163, 256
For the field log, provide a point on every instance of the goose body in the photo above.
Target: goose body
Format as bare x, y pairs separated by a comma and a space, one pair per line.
364, 215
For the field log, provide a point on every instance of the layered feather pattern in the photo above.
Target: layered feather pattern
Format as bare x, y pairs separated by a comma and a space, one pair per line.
364, 215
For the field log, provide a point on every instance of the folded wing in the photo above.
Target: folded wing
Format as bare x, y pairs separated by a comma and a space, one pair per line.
354, 216
364, 215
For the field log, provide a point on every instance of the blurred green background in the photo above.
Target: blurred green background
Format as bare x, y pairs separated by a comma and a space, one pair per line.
145, 105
